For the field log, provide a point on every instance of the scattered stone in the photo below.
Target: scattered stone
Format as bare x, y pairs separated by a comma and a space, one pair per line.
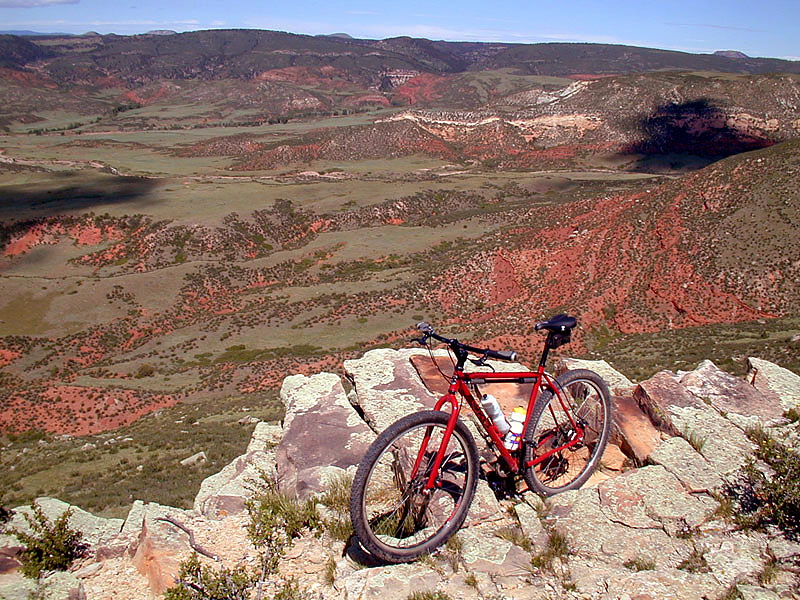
61, 585
194, 459
248, 420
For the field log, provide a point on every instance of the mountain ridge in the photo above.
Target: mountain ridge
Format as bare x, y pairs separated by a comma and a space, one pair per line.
249, 52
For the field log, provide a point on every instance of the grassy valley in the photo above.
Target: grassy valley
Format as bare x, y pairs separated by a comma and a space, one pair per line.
172, 246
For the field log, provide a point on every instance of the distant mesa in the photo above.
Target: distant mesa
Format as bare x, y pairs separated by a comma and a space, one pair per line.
345, 36
731, 54
161, 32
90, 34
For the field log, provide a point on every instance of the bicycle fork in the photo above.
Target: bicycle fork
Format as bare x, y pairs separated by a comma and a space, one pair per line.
437, 461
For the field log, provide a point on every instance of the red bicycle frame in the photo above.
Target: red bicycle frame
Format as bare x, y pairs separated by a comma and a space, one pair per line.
460, 386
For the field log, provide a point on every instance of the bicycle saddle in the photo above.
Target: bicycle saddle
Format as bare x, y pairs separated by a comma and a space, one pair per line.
558, 324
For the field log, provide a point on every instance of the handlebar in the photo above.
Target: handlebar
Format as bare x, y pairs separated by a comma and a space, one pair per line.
428, 332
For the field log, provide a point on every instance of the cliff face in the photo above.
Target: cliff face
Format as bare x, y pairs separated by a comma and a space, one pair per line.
647, 524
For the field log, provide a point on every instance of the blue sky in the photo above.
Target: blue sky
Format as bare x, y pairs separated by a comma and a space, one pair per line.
766, 28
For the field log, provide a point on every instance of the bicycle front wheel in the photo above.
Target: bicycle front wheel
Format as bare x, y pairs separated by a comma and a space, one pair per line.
393, 516
564, 463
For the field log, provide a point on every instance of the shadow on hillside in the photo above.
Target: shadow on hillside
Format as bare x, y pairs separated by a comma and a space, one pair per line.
690, 135
58, 193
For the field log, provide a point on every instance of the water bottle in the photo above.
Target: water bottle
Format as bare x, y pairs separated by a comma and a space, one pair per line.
492, 408
514, 435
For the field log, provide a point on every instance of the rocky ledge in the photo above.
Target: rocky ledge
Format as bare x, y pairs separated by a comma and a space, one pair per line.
646, 526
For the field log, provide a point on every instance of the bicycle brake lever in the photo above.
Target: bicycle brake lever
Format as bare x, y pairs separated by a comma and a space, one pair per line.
481, 362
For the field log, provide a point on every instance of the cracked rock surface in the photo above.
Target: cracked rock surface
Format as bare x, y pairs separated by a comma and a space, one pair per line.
646, 533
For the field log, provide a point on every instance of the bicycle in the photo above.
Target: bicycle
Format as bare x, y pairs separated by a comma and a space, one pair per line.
414, 487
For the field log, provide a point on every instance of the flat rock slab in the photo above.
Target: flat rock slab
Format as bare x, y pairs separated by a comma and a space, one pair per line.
769, 378
616, 381
483, 551
382, 583
634, 432
593, 534
226, 493
754, 592
678, 457
13, 586
387, 386
651, 497
736, 557
722, 443
729, 394
674, 410
323, 434
664, 584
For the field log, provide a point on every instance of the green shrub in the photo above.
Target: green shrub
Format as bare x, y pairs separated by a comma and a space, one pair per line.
50, 546
773, 499
640, 563
197, 582
557, 549
337, 499
428, 596
695, 562
145, 370
276, 519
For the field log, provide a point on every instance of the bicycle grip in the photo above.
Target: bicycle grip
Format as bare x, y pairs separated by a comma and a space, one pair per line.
509, 355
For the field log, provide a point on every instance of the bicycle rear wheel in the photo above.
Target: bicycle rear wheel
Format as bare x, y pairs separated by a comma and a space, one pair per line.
393, 517
588, 404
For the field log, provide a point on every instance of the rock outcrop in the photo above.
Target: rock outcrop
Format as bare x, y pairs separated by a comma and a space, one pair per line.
646, 527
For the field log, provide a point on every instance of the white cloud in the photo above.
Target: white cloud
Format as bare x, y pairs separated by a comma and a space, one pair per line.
33, 3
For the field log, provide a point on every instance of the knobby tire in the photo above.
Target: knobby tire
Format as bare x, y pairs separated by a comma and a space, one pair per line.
549, 428
392, 518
